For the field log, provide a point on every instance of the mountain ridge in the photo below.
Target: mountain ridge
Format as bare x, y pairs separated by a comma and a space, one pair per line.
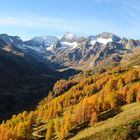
75, 51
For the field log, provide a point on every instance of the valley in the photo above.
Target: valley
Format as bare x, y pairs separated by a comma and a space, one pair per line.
69, 70
69, 88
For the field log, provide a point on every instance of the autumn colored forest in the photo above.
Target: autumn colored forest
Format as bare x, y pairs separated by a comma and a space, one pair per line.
75, 104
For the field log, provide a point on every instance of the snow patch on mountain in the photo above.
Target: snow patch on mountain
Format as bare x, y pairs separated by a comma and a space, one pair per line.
50, 48
104, 41
45, 41
67, 44
93, 42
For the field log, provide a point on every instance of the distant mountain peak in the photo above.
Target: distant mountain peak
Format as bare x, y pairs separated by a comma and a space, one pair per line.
68, 37
108, 35
11, 39
44, 41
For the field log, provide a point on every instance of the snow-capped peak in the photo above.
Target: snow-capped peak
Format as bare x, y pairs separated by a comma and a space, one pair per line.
50, 40
68, 37
38, 39
104, 38
109, 36
45, 41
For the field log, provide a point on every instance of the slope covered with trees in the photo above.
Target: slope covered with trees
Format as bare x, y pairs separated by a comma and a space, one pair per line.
75, 104
24, 81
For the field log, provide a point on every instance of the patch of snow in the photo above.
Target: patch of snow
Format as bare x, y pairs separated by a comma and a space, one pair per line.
92, 42
46, 40
104, 41
50, 48
67, 44
101, 40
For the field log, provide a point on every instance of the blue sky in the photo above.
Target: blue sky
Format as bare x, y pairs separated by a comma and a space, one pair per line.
28, 18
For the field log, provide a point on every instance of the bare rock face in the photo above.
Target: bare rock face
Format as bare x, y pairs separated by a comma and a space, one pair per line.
92, 50
73, 51
130, 43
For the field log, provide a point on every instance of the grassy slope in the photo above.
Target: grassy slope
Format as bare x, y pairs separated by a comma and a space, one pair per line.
124, 126
132, 59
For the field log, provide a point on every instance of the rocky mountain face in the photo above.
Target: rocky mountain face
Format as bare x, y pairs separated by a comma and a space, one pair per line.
131, 43
73, 51
79, 52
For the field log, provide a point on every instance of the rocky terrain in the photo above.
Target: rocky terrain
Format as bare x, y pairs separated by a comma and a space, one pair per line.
75, 52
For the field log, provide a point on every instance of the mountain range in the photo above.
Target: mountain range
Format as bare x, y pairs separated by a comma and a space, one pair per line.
28, 69
73, 51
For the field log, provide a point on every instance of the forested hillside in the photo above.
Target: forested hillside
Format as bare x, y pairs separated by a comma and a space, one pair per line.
24, 81
69, 70
75, 104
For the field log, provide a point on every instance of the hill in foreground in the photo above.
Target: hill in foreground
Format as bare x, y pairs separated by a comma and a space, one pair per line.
123, 126
79, 103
